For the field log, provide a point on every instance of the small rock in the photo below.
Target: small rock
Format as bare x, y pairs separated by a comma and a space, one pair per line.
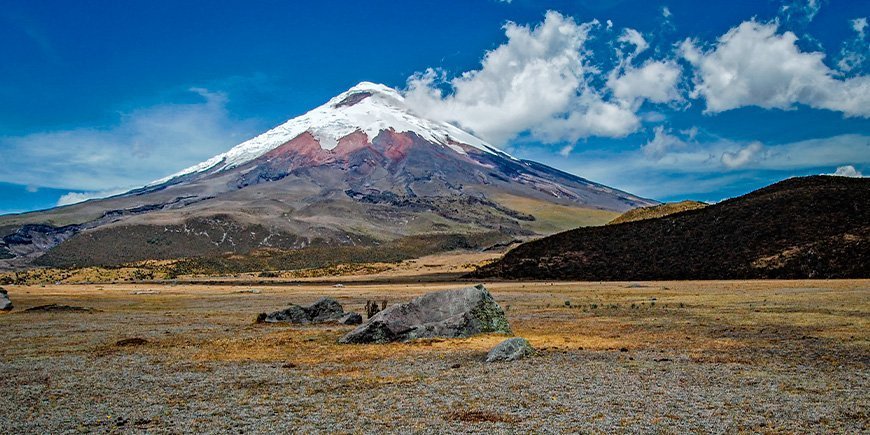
511, 349
350, 319
455, 366
135, 341
146, 292
250, 290
5, 303
623, 349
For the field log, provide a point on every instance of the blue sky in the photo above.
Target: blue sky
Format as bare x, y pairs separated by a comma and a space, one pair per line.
670, 100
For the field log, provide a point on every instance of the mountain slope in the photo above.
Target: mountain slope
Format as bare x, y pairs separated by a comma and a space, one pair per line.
811, 227
361, 170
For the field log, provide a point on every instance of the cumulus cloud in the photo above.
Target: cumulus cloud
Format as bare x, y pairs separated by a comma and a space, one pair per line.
540, 82
847, 171
146, 144
655, 81
754, 65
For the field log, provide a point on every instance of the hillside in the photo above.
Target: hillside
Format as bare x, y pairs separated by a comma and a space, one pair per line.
809, 227
657, 211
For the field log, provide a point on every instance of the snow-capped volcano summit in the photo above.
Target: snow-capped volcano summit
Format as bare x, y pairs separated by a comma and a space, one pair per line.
367, 107
360, 170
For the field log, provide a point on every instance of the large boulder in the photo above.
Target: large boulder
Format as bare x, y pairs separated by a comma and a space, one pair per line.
452, 313
5, 303
325, 310
511, 349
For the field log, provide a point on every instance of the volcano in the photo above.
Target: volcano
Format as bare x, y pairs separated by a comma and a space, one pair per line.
361, 170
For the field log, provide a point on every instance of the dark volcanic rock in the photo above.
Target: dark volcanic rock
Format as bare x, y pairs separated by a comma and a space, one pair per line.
452, 313
55, 308
135, 341
5, 303
325, 310
511, 349
808, 227
350, 319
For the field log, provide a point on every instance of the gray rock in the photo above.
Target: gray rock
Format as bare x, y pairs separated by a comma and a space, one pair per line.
350, 319
5, 303
511, 349
452, 313
325, 310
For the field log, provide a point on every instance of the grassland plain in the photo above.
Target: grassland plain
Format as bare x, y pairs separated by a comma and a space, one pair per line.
705, 356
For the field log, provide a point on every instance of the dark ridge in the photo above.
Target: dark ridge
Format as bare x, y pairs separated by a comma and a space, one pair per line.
352, 99
808, 227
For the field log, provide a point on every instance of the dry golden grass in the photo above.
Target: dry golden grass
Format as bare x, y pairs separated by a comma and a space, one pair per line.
709, 321
552, 218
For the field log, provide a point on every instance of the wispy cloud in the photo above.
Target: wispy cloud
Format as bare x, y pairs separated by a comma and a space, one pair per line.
144, 145
680, 166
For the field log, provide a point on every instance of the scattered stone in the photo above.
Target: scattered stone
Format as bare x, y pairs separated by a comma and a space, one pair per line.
449, 314
55, 308
350, 319
511, 349
325, 310
135, 341
5, 303
338, 285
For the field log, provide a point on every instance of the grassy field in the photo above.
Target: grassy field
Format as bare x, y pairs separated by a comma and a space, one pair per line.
732, 356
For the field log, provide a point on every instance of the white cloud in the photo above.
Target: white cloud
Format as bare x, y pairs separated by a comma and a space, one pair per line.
859, 24
753, 65
146, 144
741, 157
690, 133
633, 37
802, 11
655, 81
693, 167
847, 171
76, 197
662, 143
540, 81
854, 52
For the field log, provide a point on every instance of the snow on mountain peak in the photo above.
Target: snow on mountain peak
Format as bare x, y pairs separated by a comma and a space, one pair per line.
367, 107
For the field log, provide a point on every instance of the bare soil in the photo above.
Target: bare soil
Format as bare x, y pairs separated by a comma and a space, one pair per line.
645, 357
